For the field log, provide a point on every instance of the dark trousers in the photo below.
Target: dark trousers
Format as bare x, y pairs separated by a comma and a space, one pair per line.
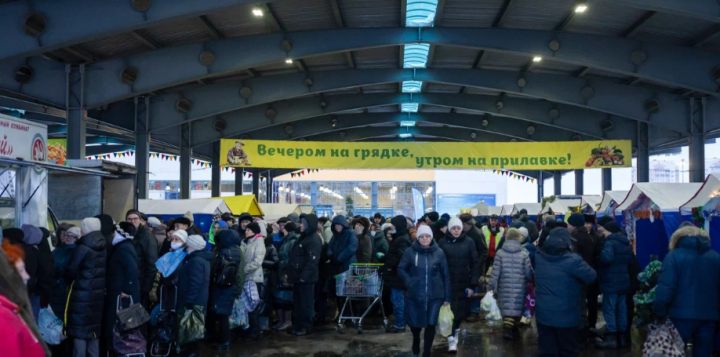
224, 328
428, 339
557, 341
321, 305
488, 264
303, 305
456, 326
699, 332
592, 305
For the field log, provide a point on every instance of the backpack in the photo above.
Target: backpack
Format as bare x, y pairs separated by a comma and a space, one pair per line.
226, 273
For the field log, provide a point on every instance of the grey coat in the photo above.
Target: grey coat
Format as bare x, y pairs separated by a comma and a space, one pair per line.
510, 274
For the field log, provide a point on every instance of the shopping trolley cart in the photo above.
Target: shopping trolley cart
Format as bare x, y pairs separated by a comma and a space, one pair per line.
163, 340
361, 282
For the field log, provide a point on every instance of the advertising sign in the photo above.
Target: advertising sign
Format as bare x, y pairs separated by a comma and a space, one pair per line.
22, 139
452, 203
413, 155
418, 203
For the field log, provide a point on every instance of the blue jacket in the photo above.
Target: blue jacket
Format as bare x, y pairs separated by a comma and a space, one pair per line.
613, 272
343, 245
558, 278
224, 296
689, 285
425, 274
531, 249
194, 280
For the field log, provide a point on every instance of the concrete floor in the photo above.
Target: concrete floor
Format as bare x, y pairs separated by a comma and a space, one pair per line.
476, 339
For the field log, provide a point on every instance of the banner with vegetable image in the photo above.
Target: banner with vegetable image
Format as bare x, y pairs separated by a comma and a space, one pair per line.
567, 155
57, 150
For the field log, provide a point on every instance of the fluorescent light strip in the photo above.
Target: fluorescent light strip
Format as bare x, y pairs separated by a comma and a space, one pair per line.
405, 135
420, 13
416, 55
412, 86
409, 107
407, 123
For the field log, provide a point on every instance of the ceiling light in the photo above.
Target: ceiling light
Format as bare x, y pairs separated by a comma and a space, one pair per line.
581, 8
259, 13
405, 135
288, 61
537, 59
409, 107
411, 86
407, 123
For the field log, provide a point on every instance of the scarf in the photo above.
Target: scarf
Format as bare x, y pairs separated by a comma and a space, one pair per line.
168, 263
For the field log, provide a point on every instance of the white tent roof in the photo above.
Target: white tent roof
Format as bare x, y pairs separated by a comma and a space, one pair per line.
708, 191
480, 208
560, 206
275, 211
200, 206
532, 208
593, 201
507, 210
667, 196
494, 210
609, 196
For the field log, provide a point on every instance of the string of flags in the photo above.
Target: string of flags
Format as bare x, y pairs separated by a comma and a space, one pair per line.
302, 172
514, 175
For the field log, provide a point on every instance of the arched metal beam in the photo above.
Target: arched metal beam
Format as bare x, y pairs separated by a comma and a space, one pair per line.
456, 134
677, 66
707, 10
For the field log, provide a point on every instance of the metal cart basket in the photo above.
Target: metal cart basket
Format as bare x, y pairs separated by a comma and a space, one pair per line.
361, 282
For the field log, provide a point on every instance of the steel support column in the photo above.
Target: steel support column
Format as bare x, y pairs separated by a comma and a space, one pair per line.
697, 141
606, 180
643, 153
579, 182
215, 170
185, 162
541, 186
374, 197
74, 111
268, 186
557, 181
239, 175
256, 182
142, 146
313, 193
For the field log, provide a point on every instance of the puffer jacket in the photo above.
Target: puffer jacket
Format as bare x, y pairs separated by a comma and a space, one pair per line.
86, 275
558, 279
380, 245
400, 242
425, 273
284, 252
16, 337
365, 248
61, 257
510, 273
689, 283
305, 254
464, 270
146, 247
224, 296
344, 245
613, 267
193, 283
253, 254
481, 246
123, 276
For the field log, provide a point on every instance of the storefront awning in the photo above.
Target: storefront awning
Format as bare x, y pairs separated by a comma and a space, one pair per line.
55, 167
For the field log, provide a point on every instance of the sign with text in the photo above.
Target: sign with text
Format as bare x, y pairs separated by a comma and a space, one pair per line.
453, 203
22, 139
565, 155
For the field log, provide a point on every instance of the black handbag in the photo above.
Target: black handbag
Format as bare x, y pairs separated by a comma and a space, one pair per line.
131, 317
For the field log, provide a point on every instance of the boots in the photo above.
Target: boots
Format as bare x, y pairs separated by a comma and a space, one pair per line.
281, 319
287, 321
610, 341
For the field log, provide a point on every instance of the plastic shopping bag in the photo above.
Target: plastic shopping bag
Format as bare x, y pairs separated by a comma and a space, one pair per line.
530, 299
663, 339
51, 328
192, 326
487, 302
239, 317
445, 320
494, 313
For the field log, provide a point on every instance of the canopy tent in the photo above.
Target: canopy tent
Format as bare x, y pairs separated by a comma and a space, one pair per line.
706, 205
531, 208
307, 209
480, 209
651, 213
491, 210
590, 203
274, 211
560, 207
203, 210
610, 200
506, 210
244, 203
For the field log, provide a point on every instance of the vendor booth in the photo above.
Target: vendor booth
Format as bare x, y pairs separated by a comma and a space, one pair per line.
590, 204
203, 210
651, 213
704, 207
610, 200
505, 212
243, 204
560, 207
274, 211
307, 209
532, 209
491, 210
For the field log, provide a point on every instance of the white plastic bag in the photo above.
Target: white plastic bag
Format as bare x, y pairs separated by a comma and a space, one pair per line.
51, 328
445, 320
487, 302
494, 314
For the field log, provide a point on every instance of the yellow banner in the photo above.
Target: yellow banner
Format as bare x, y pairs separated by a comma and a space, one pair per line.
412, 155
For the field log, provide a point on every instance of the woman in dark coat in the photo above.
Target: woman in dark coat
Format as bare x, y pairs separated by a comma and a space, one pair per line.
85, 273
424, 270
123, 276
224, 296
194, 281
464, 269
361, 225
58, 299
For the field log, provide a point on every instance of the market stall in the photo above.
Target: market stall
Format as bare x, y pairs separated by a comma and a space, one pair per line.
243, 204
610, 200
590, 203
479, 209
203, 210
651, 213
505, 212
275, 211
531, 208
560, 207
704, 209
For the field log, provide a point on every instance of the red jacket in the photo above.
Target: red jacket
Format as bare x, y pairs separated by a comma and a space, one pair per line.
16, 338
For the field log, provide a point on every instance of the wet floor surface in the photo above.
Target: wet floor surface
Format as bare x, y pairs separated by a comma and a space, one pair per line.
476, 339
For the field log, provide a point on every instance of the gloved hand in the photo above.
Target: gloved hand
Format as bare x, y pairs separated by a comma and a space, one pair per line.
379, 255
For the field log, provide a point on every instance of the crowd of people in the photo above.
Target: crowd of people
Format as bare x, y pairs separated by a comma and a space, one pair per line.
283, 273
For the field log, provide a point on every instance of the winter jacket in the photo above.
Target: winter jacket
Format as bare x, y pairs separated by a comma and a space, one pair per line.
61, 257
380, 245
194, 280
543, 235
284, 252
253, 254
584, 245
45, 267
147, 251
86, 275
689, 284
365, 247
558, 279
224, 296
510, 273
343, 246
31, 267
531, 227
400, 242
425, 273
481, 247
532, 249
305, 254
327, 232
123, 276
613, 267
464, 270
16, 338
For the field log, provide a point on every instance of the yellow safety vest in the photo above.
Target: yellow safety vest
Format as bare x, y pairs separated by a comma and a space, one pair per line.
486, 232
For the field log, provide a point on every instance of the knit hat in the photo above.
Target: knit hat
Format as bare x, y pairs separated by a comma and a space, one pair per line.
14, 235
32, 235
294, 218
90, 224
424, 229
290, 227
75, 231
523, 231
183, 220
604, 220
589, 218
254, 227
455, 222
442, 222
576, 220
181, 234
434, 216
189, 216
196, 242
549, 219
107, 224
514, 234
153, 222
126, 230
612, 227
445, 216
